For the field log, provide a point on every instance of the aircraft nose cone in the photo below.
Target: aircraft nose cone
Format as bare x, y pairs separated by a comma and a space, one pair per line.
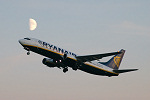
20, 41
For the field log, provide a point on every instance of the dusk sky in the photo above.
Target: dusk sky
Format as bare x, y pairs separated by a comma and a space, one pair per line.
84, 27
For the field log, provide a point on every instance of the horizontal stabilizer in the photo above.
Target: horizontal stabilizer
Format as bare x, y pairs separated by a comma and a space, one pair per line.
124, 70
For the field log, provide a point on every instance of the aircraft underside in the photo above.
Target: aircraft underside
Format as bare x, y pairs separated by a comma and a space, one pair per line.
95, 71
61, 58
70, 62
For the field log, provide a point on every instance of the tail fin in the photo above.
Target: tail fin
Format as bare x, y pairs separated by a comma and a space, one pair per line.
115, 61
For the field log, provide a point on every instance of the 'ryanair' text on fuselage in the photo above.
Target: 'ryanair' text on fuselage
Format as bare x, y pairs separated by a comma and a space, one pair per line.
54, 48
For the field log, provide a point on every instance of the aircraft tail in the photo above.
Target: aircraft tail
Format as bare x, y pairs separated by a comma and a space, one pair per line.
115, 61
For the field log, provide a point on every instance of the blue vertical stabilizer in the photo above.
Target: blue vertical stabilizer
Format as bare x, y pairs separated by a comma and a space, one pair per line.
115, 61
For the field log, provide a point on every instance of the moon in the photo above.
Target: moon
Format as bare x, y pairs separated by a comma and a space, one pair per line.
32, 24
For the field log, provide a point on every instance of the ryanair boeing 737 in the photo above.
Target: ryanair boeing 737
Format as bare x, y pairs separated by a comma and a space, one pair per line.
61, 58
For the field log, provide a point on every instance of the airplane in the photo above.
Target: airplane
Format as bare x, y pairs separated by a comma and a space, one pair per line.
61, 58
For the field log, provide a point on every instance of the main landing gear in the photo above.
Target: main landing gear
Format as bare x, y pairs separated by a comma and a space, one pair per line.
65, 70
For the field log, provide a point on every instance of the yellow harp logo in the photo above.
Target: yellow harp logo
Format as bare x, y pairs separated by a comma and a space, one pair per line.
117, 60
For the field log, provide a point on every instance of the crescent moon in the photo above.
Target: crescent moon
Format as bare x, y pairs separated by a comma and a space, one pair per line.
32, 24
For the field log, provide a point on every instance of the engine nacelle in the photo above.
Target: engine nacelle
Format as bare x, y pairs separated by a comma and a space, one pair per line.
49, 62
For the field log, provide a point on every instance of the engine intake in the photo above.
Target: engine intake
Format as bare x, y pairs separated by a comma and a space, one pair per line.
49, 62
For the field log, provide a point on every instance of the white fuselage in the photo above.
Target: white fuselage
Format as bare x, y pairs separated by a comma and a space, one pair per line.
38, 46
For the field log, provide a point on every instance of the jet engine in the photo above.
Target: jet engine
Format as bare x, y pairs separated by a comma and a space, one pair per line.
49, 62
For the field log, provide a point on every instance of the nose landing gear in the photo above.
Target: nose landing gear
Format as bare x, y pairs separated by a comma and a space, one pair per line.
28, 53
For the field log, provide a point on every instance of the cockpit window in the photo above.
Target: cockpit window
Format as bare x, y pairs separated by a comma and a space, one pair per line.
27, 38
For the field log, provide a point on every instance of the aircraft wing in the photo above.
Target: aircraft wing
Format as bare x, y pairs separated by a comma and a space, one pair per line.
95, 57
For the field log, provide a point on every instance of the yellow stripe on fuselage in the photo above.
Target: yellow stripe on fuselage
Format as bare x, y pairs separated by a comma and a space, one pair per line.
101, 69
50, 51
71, 58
